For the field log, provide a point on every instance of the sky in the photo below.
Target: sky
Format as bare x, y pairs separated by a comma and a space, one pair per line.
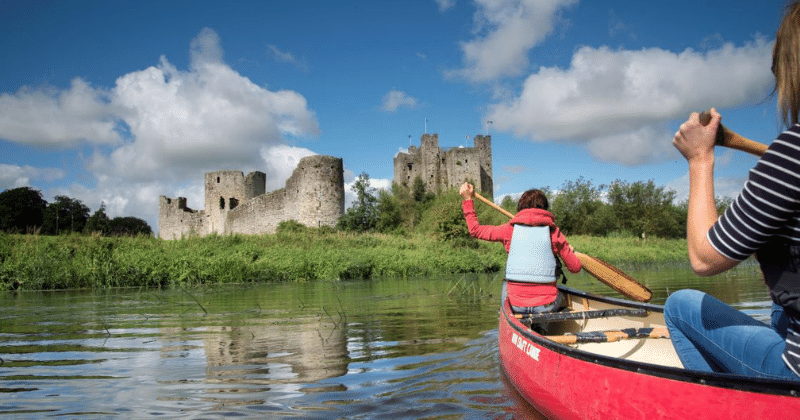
117, 103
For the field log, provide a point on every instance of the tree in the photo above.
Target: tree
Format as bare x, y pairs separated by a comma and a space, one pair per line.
98, 222
389, 212
576, 208
65, 215
21, 209
128, 226
363, 214
642, 208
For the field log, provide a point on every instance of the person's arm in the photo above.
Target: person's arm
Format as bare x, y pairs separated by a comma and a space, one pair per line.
476, 230
565, 251
696, 144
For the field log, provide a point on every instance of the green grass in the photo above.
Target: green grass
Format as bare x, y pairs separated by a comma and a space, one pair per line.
75, 261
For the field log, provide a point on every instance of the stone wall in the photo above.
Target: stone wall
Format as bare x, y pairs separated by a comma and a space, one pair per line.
235, 203
176, 220
441, 169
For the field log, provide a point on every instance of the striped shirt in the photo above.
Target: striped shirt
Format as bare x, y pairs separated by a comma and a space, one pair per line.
767, 211
768, 208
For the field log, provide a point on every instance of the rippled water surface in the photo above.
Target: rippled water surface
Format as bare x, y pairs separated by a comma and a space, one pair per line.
388, 348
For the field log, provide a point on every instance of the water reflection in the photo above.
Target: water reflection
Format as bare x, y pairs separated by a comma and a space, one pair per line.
396, 348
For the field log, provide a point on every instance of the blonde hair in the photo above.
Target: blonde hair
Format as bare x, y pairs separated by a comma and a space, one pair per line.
786, 64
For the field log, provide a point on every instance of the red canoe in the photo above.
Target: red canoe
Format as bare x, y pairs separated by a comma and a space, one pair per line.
619, 368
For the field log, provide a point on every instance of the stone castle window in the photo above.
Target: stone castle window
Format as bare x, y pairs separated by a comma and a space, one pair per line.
222, 203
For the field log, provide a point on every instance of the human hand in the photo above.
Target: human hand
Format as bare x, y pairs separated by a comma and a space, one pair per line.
466, 191
695, 140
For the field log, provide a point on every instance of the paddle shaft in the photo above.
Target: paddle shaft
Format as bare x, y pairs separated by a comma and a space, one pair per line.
730, 139
493, 205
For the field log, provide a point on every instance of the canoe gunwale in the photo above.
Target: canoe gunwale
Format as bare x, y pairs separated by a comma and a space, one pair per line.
720, 380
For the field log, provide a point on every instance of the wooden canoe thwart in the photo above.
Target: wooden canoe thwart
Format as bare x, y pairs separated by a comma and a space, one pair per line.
608, 358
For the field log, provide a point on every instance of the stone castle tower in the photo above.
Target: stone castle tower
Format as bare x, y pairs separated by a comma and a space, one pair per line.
235, 203
446, 168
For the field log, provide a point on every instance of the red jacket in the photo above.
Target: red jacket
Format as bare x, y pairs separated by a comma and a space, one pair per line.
525, 294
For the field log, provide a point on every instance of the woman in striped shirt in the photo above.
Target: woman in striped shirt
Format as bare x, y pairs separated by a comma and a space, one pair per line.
763, 220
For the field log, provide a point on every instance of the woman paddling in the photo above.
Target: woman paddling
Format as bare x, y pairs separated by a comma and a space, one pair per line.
532, 241
763, 220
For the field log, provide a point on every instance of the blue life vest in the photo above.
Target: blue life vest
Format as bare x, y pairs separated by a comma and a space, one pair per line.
530, 255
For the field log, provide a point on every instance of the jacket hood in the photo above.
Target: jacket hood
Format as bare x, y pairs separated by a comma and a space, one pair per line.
533, 217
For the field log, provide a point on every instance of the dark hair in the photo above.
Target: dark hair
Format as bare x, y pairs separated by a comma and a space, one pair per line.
532, 199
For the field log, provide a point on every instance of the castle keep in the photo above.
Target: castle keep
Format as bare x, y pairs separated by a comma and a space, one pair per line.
441, 169
235, 203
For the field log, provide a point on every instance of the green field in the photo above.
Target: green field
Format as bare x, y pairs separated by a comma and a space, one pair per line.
37, 262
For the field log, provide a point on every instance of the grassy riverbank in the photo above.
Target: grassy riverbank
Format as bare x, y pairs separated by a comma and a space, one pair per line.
61, 262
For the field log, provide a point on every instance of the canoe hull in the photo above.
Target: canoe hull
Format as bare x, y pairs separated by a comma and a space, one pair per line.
563, 382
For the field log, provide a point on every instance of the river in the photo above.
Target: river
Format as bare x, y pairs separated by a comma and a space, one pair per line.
422, 348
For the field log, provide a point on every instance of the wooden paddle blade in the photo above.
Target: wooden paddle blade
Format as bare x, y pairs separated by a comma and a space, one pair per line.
615, 278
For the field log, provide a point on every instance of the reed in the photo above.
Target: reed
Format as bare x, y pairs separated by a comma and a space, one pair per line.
37, 262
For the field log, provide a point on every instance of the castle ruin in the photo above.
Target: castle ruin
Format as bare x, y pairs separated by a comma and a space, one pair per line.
235, 203
441, 169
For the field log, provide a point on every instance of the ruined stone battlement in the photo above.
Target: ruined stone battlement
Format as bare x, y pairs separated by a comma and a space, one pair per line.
235, 203
441, 169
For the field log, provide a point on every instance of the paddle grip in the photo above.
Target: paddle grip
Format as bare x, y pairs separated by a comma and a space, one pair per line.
732, 140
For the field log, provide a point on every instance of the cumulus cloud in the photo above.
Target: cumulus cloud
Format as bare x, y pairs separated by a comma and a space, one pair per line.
617, 101
159, 129
58, 118
279, 163
506, 30
13, 176
395, 99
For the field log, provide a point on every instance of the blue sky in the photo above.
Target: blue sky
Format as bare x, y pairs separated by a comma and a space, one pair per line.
120, 102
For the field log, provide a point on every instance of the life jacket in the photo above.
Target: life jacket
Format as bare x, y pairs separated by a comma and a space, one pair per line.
530, 256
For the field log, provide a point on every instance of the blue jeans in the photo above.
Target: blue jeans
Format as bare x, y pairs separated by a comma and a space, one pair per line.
711, 336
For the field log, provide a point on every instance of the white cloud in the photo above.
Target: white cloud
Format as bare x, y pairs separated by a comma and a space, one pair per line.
394, 99
52, 118
506, 32
445, 5
13, 176
286, 57
279, 163
161, 129
617, 101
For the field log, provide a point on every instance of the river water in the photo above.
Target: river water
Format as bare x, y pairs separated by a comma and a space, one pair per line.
421, 348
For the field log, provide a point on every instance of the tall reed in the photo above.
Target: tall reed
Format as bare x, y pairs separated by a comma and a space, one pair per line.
76, 261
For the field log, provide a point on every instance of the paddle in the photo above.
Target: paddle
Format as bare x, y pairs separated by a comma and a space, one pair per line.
601, 270
609, 336
730, 139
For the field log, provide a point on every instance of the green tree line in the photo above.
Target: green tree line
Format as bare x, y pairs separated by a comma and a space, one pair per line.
619, 209
23, 210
